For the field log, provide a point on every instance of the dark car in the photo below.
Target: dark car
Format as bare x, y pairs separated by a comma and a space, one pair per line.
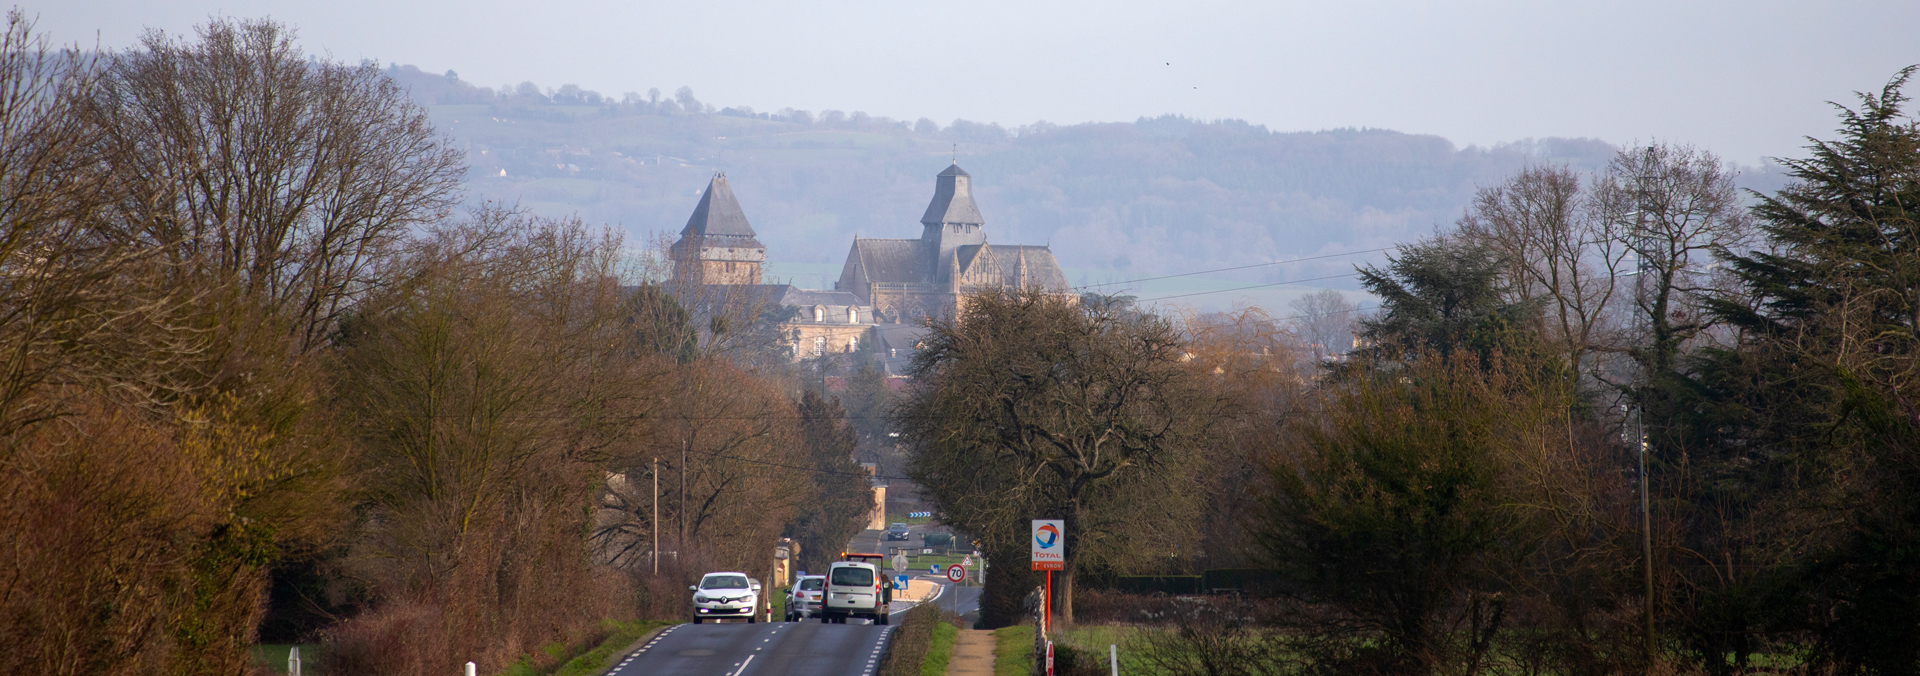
897, 531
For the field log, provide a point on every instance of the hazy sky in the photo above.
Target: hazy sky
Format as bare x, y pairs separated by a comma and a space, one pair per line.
1744, 79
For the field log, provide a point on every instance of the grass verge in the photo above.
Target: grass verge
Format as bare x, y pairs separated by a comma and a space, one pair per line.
1013, 650
939, 649
595, 660
274, 655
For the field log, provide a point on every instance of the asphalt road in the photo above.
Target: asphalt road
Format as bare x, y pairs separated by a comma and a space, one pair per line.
809, 648
762, 649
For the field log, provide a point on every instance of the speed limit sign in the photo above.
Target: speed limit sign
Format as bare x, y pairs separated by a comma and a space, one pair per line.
956, 572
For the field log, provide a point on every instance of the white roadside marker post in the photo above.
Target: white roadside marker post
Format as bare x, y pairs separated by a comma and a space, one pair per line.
293, 662
471, 669
1113, 658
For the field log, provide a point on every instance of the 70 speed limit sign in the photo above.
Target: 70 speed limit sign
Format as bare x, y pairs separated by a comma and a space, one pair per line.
956, 572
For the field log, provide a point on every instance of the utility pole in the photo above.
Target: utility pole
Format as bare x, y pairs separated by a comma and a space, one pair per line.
656, 515
683, 495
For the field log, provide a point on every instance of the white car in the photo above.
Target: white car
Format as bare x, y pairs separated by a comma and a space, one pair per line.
803, 600
725, 595
856, 589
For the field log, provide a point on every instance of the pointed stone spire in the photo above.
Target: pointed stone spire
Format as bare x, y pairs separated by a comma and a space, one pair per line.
719, 213
718, 245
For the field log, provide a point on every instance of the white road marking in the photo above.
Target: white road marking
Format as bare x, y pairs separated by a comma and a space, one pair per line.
743, 666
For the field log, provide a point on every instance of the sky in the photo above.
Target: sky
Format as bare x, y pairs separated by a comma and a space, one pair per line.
1745, 80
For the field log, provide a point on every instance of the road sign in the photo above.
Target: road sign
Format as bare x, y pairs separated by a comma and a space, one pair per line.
1049, 544
934, 569
956, 572
899, 564
899, 582
966, 560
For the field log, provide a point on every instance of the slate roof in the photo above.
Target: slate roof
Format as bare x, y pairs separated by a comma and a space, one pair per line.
892, 261
898, 343
720, 214
807, 298
952, 199
1043, 270
770, 295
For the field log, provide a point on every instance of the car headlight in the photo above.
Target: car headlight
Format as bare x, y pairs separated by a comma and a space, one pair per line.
700, 598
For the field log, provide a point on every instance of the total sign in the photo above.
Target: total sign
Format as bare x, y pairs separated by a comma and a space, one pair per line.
1049, 544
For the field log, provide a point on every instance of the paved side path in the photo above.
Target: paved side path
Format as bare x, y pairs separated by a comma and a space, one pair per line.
972, 654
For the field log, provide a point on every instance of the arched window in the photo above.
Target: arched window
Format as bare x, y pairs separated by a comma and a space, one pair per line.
853, 315
819, 313
853, 344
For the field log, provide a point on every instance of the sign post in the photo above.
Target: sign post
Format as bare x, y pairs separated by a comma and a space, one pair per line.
956, 574
1049, 554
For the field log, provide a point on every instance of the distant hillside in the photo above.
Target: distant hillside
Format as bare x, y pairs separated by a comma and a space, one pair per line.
1116, 200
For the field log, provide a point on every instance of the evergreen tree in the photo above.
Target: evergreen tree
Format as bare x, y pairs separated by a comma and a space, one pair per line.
1810, 420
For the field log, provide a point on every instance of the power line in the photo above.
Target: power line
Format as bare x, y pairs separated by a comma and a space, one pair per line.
1239, 267
1245, 288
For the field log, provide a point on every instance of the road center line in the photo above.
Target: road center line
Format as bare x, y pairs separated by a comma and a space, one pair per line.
743, 666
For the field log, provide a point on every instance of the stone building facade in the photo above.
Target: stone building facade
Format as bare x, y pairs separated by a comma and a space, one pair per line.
909, 280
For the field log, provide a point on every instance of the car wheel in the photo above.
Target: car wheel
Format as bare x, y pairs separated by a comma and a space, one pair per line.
880, 619
752, 619
696, 620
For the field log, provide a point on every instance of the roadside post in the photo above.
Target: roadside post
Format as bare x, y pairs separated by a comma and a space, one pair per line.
293, 661
1049, 554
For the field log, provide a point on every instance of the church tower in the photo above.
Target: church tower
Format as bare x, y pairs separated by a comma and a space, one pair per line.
952, 221
718, 246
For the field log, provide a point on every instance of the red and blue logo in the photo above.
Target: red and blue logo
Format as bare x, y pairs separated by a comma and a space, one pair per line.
1047, 536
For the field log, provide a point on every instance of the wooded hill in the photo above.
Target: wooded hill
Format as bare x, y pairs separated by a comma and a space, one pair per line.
1116, 200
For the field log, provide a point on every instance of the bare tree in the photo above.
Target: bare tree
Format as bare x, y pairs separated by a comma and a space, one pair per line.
486, 388
1324, 321
1035, 406
265, 173
1677, 208
1559, 244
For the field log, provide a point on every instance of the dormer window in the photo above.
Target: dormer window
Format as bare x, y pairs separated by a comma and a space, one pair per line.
819, 314
853, 315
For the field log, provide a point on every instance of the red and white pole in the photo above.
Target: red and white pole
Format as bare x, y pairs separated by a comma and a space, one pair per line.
1046, 606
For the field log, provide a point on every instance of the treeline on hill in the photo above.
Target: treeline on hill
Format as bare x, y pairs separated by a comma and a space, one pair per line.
1154, 196
262, 380
1462, 493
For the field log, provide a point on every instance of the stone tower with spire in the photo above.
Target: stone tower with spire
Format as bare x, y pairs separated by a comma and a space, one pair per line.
718, 245
952, 220
909, 280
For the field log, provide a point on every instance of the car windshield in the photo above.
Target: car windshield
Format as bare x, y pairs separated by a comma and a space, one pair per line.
899, 526
811, 584
724, 582
852, 577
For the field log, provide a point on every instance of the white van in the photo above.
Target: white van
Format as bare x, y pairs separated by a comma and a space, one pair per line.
856, 589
